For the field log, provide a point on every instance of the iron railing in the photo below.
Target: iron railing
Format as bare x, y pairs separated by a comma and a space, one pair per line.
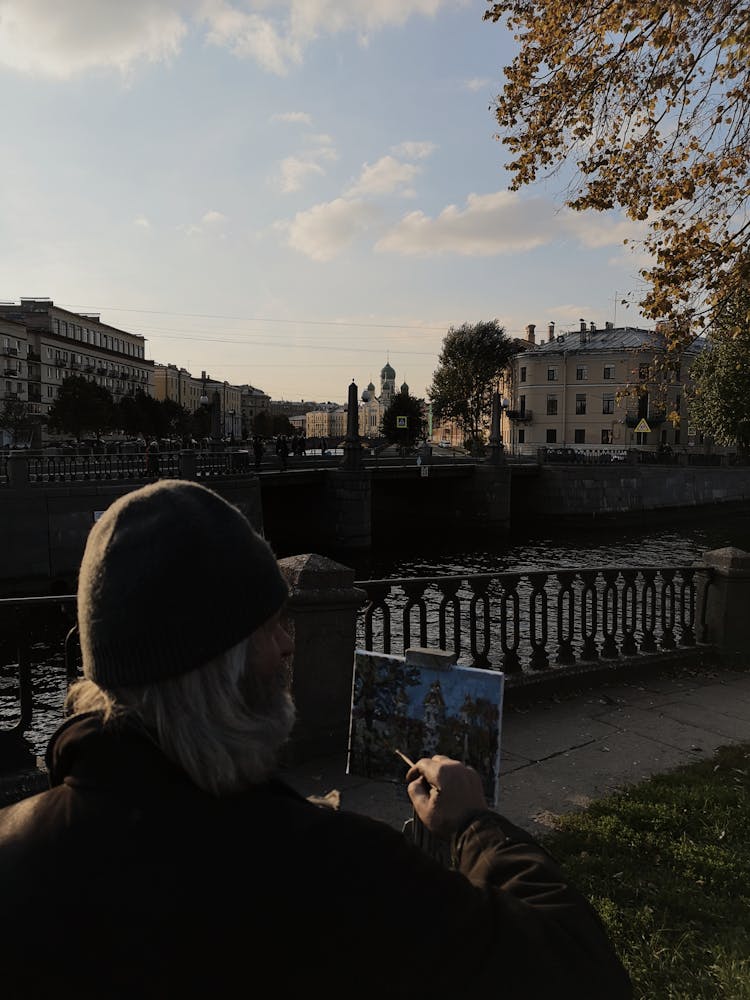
526, 622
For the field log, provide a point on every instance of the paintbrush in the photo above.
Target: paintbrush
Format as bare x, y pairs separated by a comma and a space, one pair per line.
404, 758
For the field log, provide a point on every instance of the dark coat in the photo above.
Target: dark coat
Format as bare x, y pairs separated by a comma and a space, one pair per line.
125, 880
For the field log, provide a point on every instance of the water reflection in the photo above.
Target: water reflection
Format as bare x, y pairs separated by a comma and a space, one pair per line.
667, 540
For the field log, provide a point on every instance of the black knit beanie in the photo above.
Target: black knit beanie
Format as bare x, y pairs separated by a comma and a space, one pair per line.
172, 575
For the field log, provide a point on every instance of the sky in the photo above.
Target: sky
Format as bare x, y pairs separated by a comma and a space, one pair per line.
286, 193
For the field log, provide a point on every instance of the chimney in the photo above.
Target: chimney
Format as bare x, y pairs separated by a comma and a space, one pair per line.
583, 333
530, 333
550, 331
592, 327
583, 325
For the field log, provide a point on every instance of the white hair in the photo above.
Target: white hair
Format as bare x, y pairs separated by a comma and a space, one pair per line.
223, 723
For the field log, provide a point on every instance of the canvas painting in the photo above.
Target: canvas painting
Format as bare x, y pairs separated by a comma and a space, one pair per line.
405, 703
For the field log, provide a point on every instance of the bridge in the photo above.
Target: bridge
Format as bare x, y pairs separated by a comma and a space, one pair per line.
48, 503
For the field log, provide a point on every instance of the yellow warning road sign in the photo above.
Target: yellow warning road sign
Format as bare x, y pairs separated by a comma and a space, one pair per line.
642, 427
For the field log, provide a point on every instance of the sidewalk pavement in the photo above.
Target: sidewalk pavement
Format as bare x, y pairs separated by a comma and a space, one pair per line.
558, 755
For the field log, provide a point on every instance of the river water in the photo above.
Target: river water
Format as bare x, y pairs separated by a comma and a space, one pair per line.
664, 539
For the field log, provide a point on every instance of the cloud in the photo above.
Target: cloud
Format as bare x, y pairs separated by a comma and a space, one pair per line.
478, 83
61, 40
211, 221
142, 222
301, 117
501, 223
490, 224
64, 38
295, 169
384, 177
414, 150
325, 230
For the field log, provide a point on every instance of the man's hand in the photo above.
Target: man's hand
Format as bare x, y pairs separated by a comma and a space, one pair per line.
443, 791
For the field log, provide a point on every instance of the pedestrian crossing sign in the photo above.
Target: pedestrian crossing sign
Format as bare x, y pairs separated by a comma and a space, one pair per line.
401, 421
642, 427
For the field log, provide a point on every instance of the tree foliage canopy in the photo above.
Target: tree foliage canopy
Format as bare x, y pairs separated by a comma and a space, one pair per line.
652, 101
720, 393
403, 405
472, 359
81, 406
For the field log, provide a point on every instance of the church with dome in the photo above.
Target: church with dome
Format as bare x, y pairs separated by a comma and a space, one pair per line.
374, 406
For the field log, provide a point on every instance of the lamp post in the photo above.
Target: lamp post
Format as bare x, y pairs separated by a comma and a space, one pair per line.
497, 452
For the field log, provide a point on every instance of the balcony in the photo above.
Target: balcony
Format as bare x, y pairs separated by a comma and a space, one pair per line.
101, 370
11, 373
10, 352
75, 365
34, 355
519, 416
11, 394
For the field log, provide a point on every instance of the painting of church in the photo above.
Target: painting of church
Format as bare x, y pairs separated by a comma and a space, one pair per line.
423, 711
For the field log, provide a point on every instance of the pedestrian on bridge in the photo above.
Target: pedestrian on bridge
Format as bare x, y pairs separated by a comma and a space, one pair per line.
169, 858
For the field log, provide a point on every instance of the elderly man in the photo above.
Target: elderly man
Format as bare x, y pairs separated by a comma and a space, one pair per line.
169, 858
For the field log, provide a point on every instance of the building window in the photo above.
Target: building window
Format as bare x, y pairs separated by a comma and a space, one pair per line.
606, 435
641, 438
551, 435
644, 373
522, 405
551, 406
580, 404
522, 437
582, 373
552, 374
609, 372
523, 374
608, 403
579, 436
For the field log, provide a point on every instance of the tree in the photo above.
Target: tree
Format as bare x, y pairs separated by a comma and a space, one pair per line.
472, 359
652, 102
15, 416
719, 401
81, 406
403, 422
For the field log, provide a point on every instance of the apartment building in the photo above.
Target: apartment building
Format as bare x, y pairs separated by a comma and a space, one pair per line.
326, 422
192, 392
44, 344
572, 391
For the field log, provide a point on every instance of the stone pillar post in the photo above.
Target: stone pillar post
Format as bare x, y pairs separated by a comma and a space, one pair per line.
321, 616
188, 465
724, 601
18, 470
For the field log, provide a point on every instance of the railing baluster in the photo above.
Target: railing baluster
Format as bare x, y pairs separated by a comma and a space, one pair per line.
449, 599
565, 617
538, 621
509, 597
687, 599
589, 617
378, 596
479, 597
648, 610
609, 614
415, 599
629, 612
667, 608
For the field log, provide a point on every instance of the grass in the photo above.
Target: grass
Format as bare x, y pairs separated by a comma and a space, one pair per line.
667, 865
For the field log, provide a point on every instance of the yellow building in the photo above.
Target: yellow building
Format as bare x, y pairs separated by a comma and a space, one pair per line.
572, 391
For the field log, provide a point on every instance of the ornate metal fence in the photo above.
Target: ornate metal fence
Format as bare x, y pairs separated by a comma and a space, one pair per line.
532, 621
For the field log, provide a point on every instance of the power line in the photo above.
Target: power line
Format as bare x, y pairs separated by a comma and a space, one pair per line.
250, 319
